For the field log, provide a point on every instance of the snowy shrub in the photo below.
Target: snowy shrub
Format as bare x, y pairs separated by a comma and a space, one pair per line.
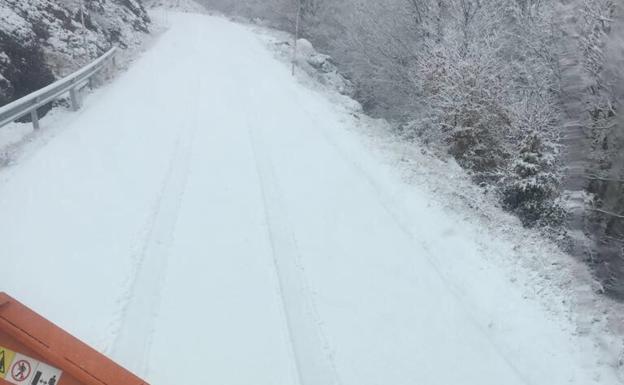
531, 189
461, 94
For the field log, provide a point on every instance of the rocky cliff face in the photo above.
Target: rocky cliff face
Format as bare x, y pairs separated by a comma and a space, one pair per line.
41, 40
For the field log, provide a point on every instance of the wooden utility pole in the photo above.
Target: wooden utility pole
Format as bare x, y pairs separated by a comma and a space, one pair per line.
297, 24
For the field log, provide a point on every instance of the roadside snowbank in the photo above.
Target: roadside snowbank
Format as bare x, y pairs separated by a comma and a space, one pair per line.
187, 6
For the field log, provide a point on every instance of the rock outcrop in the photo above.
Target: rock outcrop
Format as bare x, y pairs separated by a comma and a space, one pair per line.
41, 40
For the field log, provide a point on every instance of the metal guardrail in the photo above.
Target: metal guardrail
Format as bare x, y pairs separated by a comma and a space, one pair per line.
30, 103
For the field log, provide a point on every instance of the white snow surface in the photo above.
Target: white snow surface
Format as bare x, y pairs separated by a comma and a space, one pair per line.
188, 6
208, 219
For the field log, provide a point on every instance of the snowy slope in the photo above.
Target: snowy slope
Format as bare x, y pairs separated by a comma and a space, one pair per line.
229, 228
44, 39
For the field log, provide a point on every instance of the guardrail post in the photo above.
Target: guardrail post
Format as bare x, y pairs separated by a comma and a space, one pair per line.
35, 119
73, 95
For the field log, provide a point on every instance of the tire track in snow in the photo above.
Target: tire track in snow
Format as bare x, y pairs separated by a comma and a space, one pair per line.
312, 354
134, 326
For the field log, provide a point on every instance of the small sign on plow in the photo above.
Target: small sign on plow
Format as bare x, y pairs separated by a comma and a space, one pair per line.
34, 351
19, 369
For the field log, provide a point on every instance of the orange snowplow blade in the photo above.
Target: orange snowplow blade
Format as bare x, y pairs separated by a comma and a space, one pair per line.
29, 342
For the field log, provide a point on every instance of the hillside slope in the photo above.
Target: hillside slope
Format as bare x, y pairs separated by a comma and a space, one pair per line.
44, 39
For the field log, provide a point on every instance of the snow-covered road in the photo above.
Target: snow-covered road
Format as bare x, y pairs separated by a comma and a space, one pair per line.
206, 219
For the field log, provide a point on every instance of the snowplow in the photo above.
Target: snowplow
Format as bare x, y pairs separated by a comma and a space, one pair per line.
34, 351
